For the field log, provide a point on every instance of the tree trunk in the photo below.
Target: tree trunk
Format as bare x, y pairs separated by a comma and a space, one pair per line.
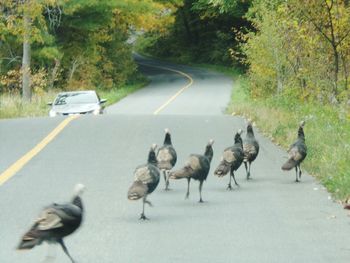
334, 44
346, 73
336, 69
54, 73
26, 88
75, 65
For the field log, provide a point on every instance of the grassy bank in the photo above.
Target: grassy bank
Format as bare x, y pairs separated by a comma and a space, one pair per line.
11, 105
327, 132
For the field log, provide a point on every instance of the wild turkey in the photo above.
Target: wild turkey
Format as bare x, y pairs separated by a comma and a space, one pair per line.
197, 167
297, 153
231, 159
55, 222
166, 157
146, 180
250, 149
346, 203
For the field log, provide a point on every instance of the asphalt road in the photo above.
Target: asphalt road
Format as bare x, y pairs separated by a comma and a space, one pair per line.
268, 219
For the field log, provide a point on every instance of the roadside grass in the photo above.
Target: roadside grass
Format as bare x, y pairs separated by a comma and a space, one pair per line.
11, 105
327, 132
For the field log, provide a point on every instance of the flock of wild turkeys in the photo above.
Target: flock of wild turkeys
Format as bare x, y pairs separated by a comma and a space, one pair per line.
197, 166
59, 220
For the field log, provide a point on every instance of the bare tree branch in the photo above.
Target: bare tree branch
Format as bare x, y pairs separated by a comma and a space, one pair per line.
54, 14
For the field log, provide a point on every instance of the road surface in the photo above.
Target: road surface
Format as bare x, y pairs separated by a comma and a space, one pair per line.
268, 219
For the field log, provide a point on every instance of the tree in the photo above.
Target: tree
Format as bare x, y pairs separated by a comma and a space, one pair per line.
201, 32
331, 19
305, 48
24, 21
78, 42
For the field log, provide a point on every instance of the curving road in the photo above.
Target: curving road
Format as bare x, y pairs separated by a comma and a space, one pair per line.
205, 92
268, 219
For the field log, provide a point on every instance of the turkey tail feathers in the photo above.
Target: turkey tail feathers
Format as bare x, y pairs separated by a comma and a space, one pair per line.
290, 164
137, 190
179, 174
222, 169
30, 239
164, 165
27, 244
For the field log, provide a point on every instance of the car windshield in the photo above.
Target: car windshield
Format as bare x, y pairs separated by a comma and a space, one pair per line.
76, 98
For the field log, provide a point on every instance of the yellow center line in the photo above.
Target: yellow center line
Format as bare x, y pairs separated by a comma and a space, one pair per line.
15, 167
177, 93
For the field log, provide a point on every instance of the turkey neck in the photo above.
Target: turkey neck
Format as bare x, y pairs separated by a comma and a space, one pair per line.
250, 132
209, 152
78, 202
238, 140
301, 134
167, 139
152, 159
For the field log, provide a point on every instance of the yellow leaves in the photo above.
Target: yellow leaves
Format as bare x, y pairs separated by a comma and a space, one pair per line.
12, 81
39, 81
293, 44
145, 15
102, 36
13, 19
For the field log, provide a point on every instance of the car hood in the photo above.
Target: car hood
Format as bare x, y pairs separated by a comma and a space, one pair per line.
75, 108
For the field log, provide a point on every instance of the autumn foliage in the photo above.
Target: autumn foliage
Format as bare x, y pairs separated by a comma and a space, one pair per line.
78, 44
299, 49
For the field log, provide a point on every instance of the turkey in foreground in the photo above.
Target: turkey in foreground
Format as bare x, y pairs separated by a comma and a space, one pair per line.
197, 167
146, 180
250, 149
166, 157
297, 153
55, 222
231, 159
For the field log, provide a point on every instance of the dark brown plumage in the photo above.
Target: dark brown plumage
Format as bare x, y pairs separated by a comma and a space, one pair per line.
231, 160
346, 203
196, 167
250, 149
55, 222
166, 157
146, 180
297, 153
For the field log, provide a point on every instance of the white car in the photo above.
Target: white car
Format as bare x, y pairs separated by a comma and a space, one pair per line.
77, 102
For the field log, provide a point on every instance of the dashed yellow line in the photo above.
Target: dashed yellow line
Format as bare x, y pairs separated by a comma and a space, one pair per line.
172, 98
14, 168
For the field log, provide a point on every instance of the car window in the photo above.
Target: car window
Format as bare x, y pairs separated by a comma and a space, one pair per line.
76, 98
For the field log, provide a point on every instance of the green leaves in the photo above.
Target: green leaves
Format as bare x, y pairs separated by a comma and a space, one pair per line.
78, 42
299, 48
202, 31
